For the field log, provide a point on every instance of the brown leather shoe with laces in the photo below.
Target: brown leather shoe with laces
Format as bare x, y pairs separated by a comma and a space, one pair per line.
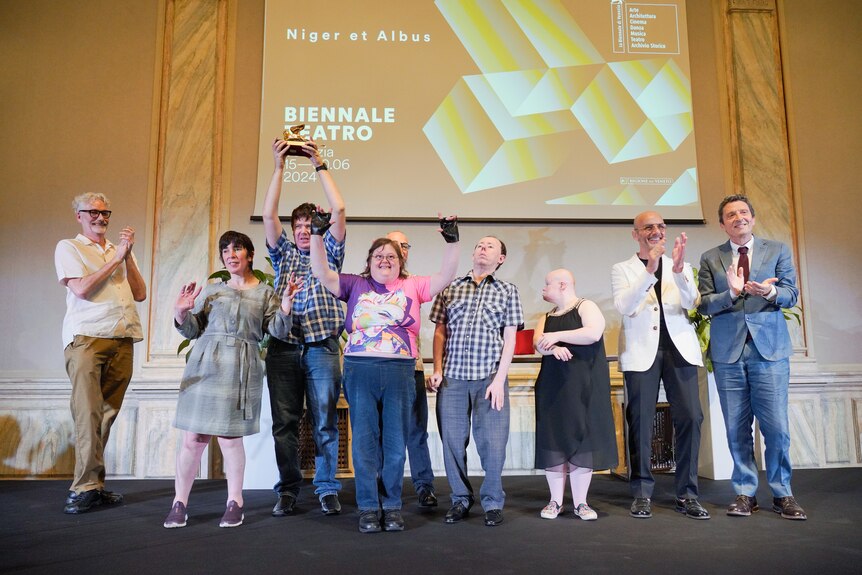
789, 508
743, 506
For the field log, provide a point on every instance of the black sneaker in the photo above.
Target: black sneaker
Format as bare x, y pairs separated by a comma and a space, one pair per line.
330, 505
427, 499
493, 517
456, 513
82, 502
369, 522
285, 504
641, 508
392, 520
110, 498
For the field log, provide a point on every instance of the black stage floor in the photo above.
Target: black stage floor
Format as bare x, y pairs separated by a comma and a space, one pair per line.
36, 537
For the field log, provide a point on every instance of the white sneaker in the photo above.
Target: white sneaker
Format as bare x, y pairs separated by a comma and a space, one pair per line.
585, 512
551, 510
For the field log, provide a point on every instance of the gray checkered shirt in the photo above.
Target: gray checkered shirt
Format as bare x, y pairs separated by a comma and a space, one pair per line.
475, 316
317, 314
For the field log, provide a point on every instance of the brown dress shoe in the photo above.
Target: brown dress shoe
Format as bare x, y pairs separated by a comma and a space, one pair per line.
788, 508
743, 506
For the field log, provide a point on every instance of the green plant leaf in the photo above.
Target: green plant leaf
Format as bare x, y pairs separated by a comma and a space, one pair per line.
222, 275
183, 344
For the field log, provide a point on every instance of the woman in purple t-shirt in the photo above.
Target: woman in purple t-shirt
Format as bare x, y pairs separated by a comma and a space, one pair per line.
382, 324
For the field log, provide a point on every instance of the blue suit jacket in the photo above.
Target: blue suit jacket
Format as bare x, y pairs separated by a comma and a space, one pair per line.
733, 320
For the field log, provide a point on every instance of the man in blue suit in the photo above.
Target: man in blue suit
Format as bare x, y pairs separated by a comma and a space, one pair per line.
744, 284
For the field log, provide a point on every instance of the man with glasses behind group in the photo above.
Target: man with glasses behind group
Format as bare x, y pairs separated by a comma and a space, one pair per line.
102, 282
421, 471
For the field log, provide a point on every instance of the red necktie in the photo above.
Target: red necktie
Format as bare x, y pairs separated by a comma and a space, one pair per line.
743, 262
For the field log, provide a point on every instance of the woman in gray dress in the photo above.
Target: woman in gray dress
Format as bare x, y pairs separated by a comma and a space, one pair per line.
220, 393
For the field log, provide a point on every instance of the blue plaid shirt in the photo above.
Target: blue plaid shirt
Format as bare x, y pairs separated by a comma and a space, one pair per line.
475, 315
317, 314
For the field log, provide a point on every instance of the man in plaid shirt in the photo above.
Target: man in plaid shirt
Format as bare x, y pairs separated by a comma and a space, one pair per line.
477, 317
305, 369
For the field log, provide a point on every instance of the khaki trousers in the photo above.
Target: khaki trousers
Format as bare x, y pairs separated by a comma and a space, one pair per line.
100, 370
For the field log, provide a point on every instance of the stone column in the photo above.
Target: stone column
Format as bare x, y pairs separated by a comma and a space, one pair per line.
760, 150
189, 208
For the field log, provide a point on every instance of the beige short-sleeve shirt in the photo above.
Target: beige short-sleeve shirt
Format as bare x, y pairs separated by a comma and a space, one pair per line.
110, 312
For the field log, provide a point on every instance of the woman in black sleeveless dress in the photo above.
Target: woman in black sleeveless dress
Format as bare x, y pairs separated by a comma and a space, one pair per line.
574, 422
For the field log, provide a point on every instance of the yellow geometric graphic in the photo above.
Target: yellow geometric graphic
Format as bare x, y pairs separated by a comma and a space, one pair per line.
554, 34
681, 193
484, 147
542, 83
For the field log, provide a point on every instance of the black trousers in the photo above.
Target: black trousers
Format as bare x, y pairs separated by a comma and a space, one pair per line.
681, 388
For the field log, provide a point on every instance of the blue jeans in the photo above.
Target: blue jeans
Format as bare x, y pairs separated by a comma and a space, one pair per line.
421, 470
380, 392
297, 375
459, 402
756, 387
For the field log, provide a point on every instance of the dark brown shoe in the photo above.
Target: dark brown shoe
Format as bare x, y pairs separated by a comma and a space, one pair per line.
743, 506
788, 508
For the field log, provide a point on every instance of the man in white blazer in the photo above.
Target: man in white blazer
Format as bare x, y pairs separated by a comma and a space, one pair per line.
653, 293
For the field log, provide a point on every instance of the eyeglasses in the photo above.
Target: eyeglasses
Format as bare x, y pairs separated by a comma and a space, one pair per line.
405, 246
96, 213
388, 257
653, 228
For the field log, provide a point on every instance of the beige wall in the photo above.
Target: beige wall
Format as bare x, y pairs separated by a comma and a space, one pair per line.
823, 57
76, 96
78, 91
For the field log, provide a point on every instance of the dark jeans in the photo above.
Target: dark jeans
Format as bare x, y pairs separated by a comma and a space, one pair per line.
421, 470
297, 374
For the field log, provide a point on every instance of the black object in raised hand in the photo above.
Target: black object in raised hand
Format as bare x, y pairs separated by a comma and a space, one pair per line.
320, 222
449, 230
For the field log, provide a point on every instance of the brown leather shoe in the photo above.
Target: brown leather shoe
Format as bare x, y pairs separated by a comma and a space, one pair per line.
788, 508
743, 506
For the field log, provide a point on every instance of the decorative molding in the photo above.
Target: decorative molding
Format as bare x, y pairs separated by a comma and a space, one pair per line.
37, 436
751, 6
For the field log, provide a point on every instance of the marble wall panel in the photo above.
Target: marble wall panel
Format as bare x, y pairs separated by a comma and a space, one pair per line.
158, 441
121, 448
37, 435
36, 440
836, 415
805, 432
857, 427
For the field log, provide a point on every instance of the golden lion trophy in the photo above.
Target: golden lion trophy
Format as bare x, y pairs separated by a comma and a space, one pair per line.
296, 141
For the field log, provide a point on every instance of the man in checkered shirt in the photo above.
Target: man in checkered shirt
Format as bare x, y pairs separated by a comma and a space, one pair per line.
477, 317
305, 369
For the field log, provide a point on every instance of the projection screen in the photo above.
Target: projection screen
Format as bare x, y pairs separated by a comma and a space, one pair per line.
495, 110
